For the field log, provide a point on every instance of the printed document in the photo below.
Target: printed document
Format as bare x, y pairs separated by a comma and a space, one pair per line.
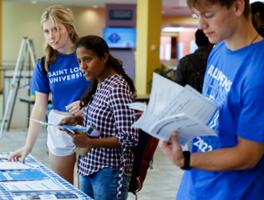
38, 185
176, 108
89, 130
22, 175
7, 165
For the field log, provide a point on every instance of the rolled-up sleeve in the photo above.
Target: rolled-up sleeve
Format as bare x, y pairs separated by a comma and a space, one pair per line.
124, 117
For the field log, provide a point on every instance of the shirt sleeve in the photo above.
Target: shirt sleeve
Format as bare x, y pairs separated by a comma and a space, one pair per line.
251, 118
124, 117
180, 73
39, 81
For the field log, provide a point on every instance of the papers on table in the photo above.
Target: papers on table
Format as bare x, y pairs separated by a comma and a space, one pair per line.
22, 175
66, 195
176, 108
33, 181
6, 165
38, 185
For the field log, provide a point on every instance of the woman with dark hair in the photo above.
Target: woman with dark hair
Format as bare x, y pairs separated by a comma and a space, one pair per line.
106, 167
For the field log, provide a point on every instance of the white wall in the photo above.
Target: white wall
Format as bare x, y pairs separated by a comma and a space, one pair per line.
20, 20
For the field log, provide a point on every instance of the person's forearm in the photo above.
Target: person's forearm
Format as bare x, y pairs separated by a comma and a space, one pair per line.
108, 142
235, 158
34, 128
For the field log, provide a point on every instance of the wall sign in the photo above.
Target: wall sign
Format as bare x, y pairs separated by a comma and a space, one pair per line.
121, 15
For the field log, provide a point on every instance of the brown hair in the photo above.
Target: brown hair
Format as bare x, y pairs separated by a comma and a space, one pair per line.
226, 3
58, 14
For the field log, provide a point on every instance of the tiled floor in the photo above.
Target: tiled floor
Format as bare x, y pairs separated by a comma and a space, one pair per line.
161, 183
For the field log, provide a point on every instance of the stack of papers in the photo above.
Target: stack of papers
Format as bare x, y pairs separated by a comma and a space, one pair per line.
176, 108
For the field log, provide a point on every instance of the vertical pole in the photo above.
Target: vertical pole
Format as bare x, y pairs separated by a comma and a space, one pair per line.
149, 14
10, 98
1, 44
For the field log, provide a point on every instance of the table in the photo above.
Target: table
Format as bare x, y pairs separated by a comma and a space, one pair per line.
66, 191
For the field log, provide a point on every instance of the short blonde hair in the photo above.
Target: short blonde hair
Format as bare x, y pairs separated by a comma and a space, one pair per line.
63, 15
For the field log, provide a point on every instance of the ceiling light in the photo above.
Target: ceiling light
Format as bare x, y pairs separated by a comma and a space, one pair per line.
176, 29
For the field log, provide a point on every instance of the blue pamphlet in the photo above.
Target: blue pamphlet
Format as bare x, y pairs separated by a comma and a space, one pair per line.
89, 130
22, 175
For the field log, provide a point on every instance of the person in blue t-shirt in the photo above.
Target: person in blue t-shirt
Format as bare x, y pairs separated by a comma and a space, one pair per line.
57, 74
231, 165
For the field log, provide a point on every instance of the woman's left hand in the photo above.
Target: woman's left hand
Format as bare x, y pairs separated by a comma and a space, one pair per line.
74, 108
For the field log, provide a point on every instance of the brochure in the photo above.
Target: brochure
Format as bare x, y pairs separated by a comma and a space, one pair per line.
7, 165
22, 175
36, 185
47, 195
89, 130
176, 108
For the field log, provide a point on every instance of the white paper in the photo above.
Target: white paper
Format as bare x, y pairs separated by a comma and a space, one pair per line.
39, 185
47, 197
137, 106
67, 127
186, 128
176, 108
7, 165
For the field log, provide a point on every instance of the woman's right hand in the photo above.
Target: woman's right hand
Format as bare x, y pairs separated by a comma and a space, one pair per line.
20, 154
72, 121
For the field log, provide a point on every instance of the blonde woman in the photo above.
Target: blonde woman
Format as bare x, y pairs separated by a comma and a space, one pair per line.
57, 74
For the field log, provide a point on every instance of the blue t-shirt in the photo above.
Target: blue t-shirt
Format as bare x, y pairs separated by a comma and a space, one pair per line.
235, 81
64, 81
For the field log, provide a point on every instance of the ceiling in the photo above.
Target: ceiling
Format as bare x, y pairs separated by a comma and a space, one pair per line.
170, 7
178, 3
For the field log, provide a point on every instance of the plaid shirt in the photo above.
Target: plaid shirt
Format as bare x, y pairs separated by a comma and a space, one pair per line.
108, 113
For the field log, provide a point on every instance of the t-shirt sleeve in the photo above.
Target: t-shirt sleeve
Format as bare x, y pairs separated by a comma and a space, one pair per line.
251, 120
39, 81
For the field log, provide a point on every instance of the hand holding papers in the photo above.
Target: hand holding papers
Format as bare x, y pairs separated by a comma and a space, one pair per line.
176, 108
89, 130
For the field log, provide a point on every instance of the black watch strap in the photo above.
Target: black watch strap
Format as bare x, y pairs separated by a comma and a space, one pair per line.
187, 157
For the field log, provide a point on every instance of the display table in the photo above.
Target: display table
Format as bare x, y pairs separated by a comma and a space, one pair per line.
33, 180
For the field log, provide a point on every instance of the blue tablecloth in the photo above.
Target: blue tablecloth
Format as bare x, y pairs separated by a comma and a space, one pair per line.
70, 193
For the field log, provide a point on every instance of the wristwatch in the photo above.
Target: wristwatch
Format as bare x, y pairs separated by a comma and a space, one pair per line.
187, 157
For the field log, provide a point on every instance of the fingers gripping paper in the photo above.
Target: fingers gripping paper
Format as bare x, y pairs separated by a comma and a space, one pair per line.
176, 108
